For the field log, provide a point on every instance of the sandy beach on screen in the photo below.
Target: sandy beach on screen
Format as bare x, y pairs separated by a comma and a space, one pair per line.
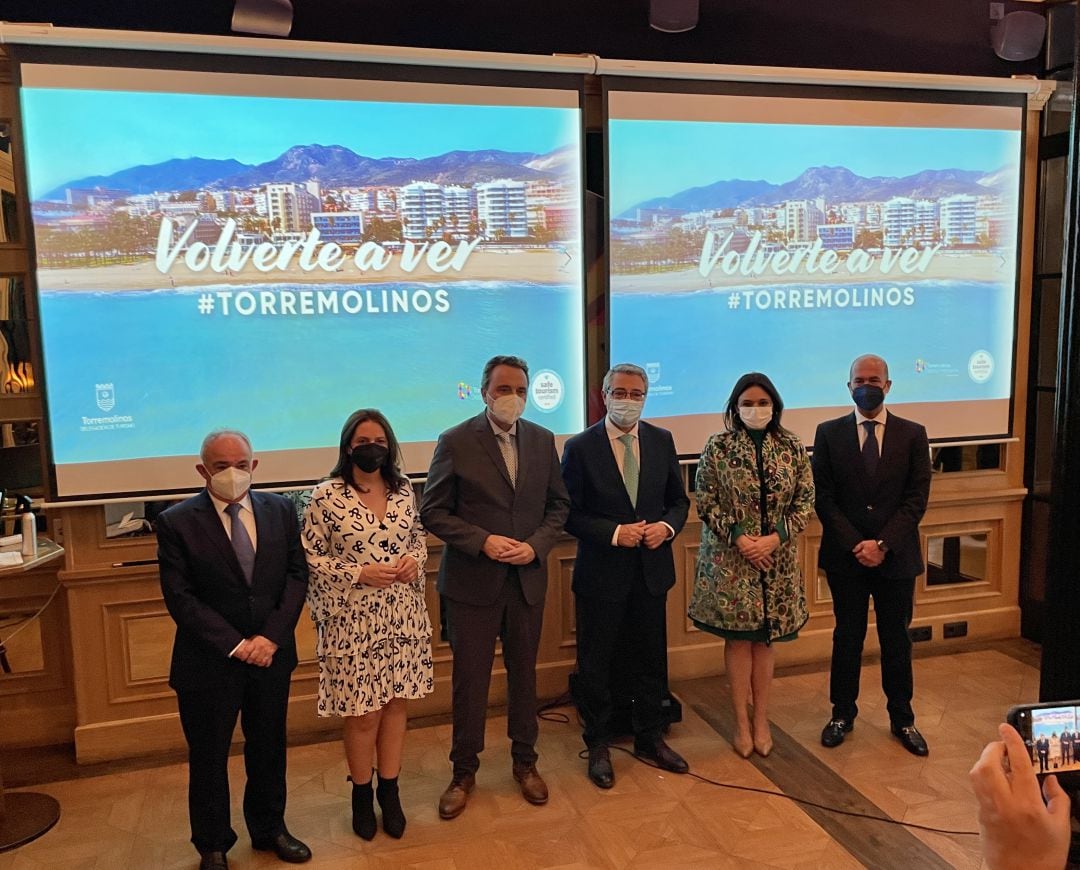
547, 265
953, 266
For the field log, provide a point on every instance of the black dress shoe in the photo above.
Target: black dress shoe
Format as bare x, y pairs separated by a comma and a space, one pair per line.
662, 755
213, 861
285, 846
600, 771
911, 739
833, 733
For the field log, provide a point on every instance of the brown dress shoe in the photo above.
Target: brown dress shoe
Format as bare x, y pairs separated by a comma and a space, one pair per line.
453, 800
533, 787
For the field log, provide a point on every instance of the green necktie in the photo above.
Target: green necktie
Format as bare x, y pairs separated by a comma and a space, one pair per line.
629, 468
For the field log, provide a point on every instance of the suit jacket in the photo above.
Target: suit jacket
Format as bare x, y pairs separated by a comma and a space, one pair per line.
853, 507
207, 597
468, 496
599, 502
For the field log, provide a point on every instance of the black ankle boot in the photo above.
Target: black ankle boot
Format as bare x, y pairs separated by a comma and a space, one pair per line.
393, 817
363, 810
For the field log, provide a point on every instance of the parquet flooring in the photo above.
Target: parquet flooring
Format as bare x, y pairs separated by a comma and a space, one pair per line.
137, 817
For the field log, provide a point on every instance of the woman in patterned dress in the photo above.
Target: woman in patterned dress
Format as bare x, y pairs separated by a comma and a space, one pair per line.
755, 494
366, 551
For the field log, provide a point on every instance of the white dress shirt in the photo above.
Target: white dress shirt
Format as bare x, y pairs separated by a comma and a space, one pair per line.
499, 430
247, 516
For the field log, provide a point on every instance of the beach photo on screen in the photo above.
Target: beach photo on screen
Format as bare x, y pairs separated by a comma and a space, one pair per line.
791, 236
335, 244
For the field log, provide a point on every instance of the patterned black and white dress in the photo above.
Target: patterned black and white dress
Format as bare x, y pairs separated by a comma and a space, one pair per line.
374, 644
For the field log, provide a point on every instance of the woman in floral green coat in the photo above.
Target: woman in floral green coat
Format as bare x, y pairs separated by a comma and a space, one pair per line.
755, 494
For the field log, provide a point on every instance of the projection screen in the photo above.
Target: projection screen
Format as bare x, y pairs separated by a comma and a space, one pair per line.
272, 251
790, 230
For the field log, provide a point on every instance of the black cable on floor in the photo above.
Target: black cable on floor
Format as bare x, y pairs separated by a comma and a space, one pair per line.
544, 711
796, 799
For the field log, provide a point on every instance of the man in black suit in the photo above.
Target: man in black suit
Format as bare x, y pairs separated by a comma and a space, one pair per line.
234, 578
495, 497
627, 503
872, 473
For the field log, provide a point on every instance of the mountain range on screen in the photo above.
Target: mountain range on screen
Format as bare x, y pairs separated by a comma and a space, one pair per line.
836, 184
331, 166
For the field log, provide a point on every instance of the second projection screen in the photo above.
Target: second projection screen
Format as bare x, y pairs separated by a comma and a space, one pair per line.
788, 235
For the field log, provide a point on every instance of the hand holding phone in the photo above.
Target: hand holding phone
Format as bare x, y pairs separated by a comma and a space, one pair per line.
1017, 828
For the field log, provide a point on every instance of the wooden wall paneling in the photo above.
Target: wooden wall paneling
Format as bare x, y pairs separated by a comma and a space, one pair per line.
567, 610
37, 698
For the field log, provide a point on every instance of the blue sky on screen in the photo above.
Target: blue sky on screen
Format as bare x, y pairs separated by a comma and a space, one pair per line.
660, 158
72, 134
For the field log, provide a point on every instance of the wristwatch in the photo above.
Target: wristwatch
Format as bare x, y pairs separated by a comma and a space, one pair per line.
882, 546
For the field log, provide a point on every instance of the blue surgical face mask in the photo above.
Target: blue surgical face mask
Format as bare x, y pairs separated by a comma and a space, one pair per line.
868, 397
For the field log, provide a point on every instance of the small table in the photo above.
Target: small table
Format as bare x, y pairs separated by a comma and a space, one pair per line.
25, 816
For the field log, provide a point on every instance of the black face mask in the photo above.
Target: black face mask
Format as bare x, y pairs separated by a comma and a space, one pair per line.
369, 457
868, 397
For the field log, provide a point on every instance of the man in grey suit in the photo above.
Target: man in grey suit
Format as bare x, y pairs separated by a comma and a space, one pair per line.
495, 497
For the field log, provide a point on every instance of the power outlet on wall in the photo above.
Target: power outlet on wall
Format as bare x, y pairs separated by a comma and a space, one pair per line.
997, 11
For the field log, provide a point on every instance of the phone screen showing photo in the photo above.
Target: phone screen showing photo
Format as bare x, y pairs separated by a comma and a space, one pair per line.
1051, 735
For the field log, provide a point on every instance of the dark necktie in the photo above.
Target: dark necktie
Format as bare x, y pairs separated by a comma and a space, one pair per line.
241, 543
870, 451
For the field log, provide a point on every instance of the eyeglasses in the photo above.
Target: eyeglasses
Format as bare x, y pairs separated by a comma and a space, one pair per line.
636, 395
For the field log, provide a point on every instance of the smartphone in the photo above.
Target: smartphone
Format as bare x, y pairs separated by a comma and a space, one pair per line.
1051, 733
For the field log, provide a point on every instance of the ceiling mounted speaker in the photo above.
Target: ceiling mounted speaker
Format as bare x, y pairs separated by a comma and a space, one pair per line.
1018, 36
673, 16
265, 17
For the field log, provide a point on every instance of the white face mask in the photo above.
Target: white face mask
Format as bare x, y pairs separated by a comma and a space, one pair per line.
624, 413
755, 416
506, 409
231, 483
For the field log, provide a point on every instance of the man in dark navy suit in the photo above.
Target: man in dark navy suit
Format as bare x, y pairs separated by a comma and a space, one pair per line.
627, 503
872, 473
234, 578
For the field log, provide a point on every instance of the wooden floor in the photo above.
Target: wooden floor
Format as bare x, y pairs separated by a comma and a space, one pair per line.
136, 815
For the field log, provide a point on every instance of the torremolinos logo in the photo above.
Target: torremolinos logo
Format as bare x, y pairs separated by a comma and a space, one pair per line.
105, 396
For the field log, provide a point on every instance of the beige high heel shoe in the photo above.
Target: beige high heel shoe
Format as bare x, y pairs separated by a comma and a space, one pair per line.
743, 748
763, 747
